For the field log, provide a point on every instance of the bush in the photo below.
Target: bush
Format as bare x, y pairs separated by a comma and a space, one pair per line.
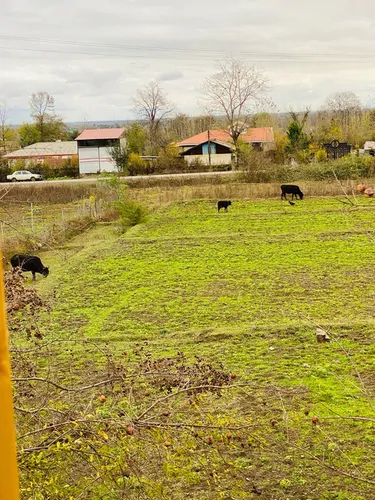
349, 167
130, 213
195, 166
57, 169
321, 155
169, 161
135, 165
5, 170
254, 165
49, 168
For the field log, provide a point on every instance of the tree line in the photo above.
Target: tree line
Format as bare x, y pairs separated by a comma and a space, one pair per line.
236, 97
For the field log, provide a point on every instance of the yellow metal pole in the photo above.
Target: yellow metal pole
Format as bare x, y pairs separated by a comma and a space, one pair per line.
9, 489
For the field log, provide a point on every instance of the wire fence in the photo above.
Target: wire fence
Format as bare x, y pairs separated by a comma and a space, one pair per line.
37, 220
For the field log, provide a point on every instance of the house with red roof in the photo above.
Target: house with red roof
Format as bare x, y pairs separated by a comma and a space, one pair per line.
216, 147
40, 152
94, 147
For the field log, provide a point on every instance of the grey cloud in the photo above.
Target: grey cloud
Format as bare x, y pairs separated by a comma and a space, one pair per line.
179, 44
170, 76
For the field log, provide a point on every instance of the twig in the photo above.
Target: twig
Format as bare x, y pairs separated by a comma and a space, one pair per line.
195, 426
68, 389
337, 471
187, 389
37, 410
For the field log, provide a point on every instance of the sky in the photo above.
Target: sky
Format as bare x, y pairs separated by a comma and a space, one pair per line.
92, 56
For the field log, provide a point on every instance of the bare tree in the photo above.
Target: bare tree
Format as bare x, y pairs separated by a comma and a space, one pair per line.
233, 91
152, 106
343, 107
3, 126
42, 107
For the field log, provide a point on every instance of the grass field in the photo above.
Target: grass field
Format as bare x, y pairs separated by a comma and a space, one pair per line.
246, 289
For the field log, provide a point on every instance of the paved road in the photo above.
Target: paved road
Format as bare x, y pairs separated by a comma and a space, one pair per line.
125, 178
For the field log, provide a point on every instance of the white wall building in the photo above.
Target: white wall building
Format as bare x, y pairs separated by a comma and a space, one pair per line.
94, 149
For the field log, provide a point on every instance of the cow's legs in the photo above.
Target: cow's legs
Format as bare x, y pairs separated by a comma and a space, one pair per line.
34, 277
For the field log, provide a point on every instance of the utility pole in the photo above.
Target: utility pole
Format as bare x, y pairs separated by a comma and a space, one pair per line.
209, 149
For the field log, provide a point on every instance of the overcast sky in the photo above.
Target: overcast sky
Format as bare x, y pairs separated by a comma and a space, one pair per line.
93, 55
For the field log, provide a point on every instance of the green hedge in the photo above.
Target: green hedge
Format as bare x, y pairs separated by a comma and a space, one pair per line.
49, 169
349, 167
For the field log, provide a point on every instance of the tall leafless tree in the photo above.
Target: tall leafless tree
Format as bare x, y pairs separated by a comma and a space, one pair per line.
3, 126
233, 91
152, 106
343, 107
42, 107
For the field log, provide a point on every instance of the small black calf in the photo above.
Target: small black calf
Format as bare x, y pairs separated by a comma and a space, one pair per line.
291, 189
223, 204
29, 263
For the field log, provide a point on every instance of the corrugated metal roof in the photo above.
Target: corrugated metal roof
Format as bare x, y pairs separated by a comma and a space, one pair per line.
100, 133
40, 149
264, 134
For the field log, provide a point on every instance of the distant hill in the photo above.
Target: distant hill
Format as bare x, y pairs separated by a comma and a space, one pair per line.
99, 124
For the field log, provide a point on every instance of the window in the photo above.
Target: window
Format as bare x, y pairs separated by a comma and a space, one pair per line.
97, 143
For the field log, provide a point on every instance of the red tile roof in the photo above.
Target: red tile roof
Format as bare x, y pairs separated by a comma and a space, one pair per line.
264, 134
100, 133
220, 135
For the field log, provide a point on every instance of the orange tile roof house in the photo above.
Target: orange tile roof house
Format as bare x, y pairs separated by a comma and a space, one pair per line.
94, 149
252, 135
221, 145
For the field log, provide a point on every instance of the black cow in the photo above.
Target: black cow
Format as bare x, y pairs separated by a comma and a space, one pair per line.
291, 189
29, 263
223, 204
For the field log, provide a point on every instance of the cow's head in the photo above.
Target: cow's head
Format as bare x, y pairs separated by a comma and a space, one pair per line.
301, 195
45, 271
229, 203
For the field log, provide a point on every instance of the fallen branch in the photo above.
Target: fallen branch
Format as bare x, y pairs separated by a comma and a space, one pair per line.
187, 389
67, 389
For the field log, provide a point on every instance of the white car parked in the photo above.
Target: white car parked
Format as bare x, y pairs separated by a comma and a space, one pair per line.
24, 175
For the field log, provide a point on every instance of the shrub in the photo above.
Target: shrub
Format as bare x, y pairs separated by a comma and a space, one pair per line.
58, 168
349, 167
130, 213
119, 154
169, 161
5, 169
321, 155
49, 168
195, 166
254, 165
136, 165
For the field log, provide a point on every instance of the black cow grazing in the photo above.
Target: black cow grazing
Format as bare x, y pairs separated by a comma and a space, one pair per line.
291, 189
223, 204
29, 263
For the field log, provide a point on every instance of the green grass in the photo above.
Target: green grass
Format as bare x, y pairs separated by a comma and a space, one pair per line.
256, 267
229, 287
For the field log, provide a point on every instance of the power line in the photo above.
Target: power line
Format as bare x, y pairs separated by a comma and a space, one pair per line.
288, 56
255, 57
